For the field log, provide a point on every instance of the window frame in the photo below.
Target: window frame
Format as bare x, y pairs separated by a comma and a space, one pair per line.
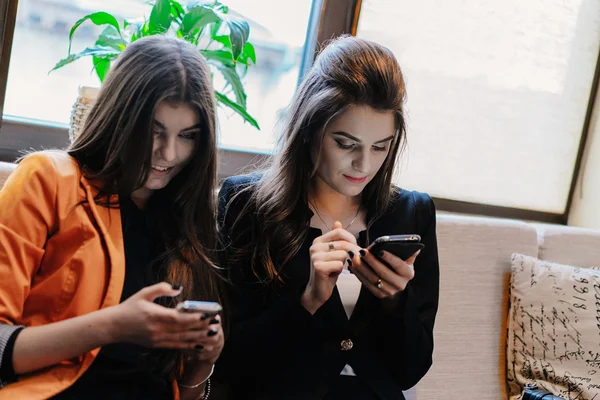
328, 19
8, 19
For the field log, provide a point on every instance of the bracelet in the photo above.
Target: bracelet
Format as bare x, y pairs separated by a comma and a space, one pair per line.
206, 393
198, 384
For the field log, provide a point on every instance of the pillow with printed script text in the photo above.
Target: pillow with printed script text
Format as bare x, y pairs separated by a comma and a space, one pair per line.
554, 328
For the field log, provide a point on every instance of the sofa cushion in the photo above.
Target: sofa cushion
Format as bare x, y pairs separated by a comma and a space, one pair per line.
553, 331
569, 245
469, 334
5, 170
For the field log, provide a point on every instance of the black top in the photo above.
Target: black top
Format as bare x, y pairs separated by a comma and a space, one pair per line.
124, 370
277, 349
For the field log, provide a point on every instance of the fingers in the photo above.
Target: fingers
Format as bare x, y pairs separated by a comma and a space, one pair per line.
177, 321
336, 255
212, 352
372, 287
204, 337
325, 247
328, 268
150, 293
335, 235
411, 259
390, 267
384, 276
361, 268
403, 268
207, 338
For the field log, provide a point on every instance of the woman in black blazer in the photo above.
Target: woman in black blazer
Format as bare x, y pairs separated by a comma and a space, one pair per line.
315, 315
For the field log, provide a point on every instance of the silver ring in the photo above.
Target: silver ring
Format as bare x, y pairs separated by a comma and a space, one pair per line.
380, 284
331, 247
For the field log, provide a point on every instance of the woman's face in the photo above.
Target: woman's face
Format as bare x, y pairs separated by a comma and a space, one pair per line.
175, 127
354, 147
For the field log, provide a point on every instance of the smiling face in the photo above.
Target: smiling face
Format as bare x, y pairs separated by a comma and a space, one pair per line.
354, 147
175, 127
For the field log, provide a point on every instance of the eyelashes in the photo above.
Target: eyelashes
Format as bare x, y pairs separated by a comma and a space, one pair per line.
345, 146
189, 135
355, 146
185, 135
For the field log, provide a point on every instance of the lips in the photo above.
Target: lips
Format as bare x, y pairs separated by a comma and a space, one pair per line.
159, 169
354, 179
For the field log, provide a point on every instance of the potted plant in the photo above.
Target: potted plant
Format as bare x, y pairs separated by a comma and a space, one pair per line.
220, 37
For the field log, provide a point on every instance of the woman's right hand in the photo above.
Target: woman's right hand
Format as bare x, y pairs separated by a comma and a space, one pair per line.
326, 265
141, 321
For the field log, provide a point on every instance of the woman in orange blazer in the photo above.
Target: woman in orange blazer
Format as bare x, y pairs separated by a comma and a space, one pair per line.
90, 237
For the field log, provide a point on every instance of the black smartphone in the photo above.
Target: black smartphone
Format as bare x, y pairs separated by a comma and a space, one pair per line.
207, 307
402, 246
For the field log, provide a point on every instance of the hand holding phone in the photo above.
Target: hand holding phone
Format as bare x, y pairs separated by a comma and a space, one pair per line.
210, 348
387, 267
402, 246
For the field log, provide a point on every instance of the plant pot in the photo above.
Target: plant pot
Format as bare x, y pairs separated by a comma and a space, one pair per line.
81, 107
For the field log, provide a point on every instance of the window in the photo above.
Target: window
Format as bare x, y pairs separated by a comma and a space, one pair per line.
41, 40
278, 31
497, 94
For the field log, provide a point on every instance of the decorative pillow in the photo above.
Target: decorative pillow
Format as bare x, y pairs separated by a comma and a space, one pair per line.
554, 328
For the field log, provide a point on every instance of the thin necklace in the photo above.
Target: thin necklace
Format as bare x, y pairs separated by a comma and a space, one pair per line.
325, 223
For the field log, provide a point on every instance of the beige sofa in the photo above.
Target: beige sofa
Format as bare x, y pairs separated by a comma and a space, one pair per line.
475, 252
469, 357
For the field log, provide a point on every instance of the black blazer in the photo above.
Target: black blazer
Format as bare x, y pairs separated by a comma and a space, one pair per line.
277, 350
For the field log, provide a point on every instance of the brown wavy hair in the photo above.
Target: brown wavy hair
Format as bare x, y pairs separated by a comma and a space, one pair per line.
348, 71
115, 148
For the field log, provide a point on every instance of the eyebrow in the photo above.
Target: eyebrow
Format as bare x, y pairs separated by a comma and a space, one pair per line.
349, 136
191, 128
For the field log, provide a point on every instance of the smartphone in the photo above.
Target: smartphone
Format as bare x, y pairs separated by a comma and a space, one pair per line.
207, 307
402, 246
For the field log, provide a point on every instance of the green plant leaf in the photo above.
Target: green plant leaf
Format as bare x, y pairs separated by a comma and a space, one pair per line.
141, 30
224, 40
247, 54
197, 18
249, 51
214, 29
101, 66
110, 38
160, 17
220, 56
234, 81
177, 11
98, 18
221, 7
98, 51
226, 101
238, 34
137, 26
239, 31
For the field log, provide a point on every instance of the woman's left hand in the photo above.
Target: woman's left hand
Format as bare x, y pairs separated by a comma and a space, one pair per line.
199, 363
384, 276
209, 348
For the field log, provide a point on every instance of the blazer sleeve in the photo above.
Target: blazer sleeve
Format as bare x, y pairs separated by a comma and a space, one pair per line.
262, 328
27, 218
405, 323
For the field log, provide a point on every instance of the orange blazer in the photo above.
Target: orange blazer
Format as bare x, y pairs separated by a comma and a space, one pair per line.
58, 259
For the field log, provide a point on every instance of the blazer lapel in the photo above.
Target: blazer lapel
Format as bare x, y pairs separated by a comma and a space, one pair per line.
108, 221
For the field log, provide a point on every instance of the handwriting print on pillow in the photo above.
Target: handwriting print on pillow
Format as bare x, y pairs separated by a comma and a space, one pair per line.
554, 328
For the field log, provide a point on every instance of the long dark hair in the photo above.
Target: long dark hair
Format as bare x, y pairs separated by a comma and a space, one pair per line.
348, 71
115, 148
